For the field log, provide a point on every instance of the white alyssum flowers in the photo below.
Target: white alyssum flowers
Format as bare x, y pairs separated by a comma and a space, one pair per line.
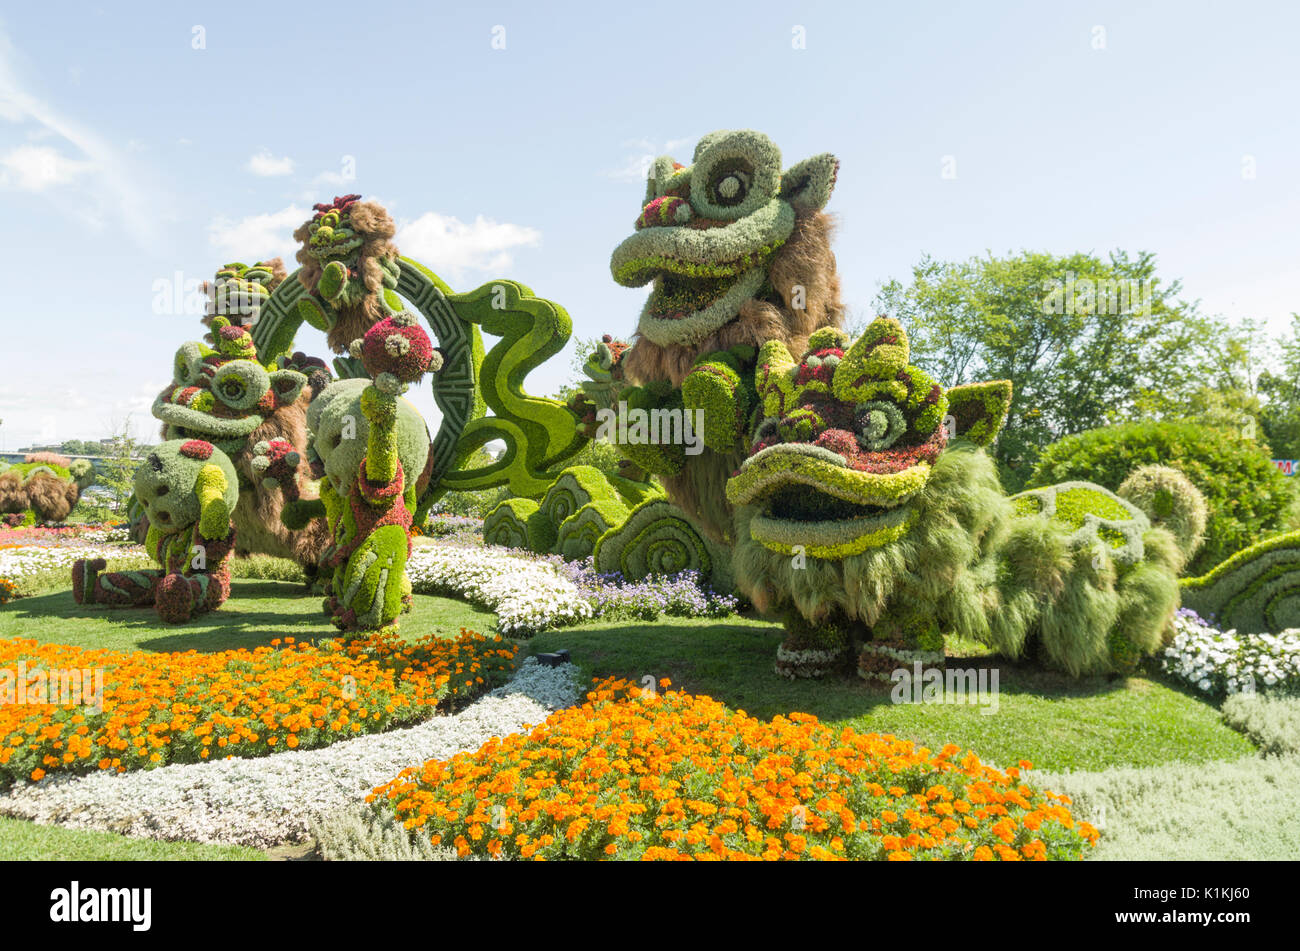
527, 596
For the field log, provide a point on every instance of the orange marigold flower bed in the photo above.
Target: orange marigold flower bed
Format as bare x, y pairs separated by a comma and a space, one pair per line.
160, 708
633, 774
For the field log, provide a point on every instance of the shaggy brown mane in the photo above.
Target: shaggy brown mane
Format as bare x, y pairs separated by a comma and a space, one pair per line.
376, 227
805, 260
48, 458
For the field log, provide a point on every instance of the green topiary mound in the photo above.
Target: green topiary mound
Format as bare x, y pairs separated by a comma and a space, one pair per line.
657, 539
1255, 591
507, 524
1171, 501
1246, 497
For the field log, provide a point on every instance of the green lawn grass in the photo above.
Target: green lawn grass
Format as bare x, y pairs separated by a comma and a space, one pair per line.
1054, 722
258, 612
22, 840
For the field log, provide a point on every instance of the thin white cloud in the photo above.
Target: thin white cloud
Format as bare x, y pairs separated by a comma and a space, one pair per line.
454, 248
258, 236
640, 155
106, 188
35, 168
336, 179
266, 164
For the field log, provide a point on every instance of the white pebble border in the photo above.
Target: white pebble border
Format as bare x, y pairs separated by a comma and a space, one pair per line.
273, 799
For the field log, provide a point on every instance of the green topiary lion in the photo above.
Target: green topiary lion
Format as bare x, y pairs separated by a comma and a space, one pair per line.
189, 489
737, 251
868, 515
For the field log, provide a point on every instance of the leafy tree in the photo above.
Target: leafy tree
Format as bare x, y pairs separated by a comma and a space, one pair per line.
1280, 417
1228, 399
81, 447
108, 498
1086, 341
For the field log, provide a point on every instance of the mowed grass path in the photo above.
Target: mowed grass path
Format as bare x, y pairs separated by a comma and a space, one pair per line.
22, 840
1054, 722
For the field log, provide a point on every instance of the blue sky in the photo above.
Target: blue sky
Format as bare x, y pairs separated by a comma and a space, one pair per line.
142, 140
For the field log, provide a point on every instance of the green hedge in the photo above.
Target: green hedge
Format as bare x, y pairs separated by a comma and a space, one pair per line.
1247, 497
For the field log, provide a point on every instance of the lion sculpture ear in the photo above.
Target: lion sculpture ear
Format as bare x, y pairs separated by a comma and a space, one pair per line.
807, 185
287, 385
979, 410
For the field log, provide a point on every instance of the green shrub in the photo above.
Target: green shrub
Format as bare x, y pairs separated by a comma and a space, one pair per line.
1246, 496
1271, 723
266, 568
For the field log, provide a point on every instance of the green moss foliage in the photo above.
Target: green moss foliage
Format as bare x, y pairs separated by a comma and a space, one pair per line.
578, 534
1091, 516
657, 539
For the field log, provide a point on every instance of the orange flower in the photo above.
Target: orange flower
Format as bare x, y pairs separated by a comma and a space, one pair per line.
685, 778
170, 707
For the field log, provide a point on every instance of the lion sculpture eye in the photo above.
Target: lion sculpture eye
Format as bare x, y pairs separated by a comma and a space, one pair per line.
880, 424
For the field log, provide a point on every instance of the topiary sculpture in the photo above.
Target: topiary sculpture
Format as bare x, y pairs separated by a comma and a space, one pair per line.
1172, 502
867, 512
371, 451
348, 261
238, 292
188, 489
44, 487
657, 538
1255, 591
224, 395
1246, 497
738, 252
507, 524
581, 505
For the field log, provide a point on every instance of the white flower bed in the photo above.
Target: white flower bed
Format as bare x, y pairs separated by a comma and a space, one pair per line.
119, 533
32, 559
1225, 662
274, 799
527, 596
